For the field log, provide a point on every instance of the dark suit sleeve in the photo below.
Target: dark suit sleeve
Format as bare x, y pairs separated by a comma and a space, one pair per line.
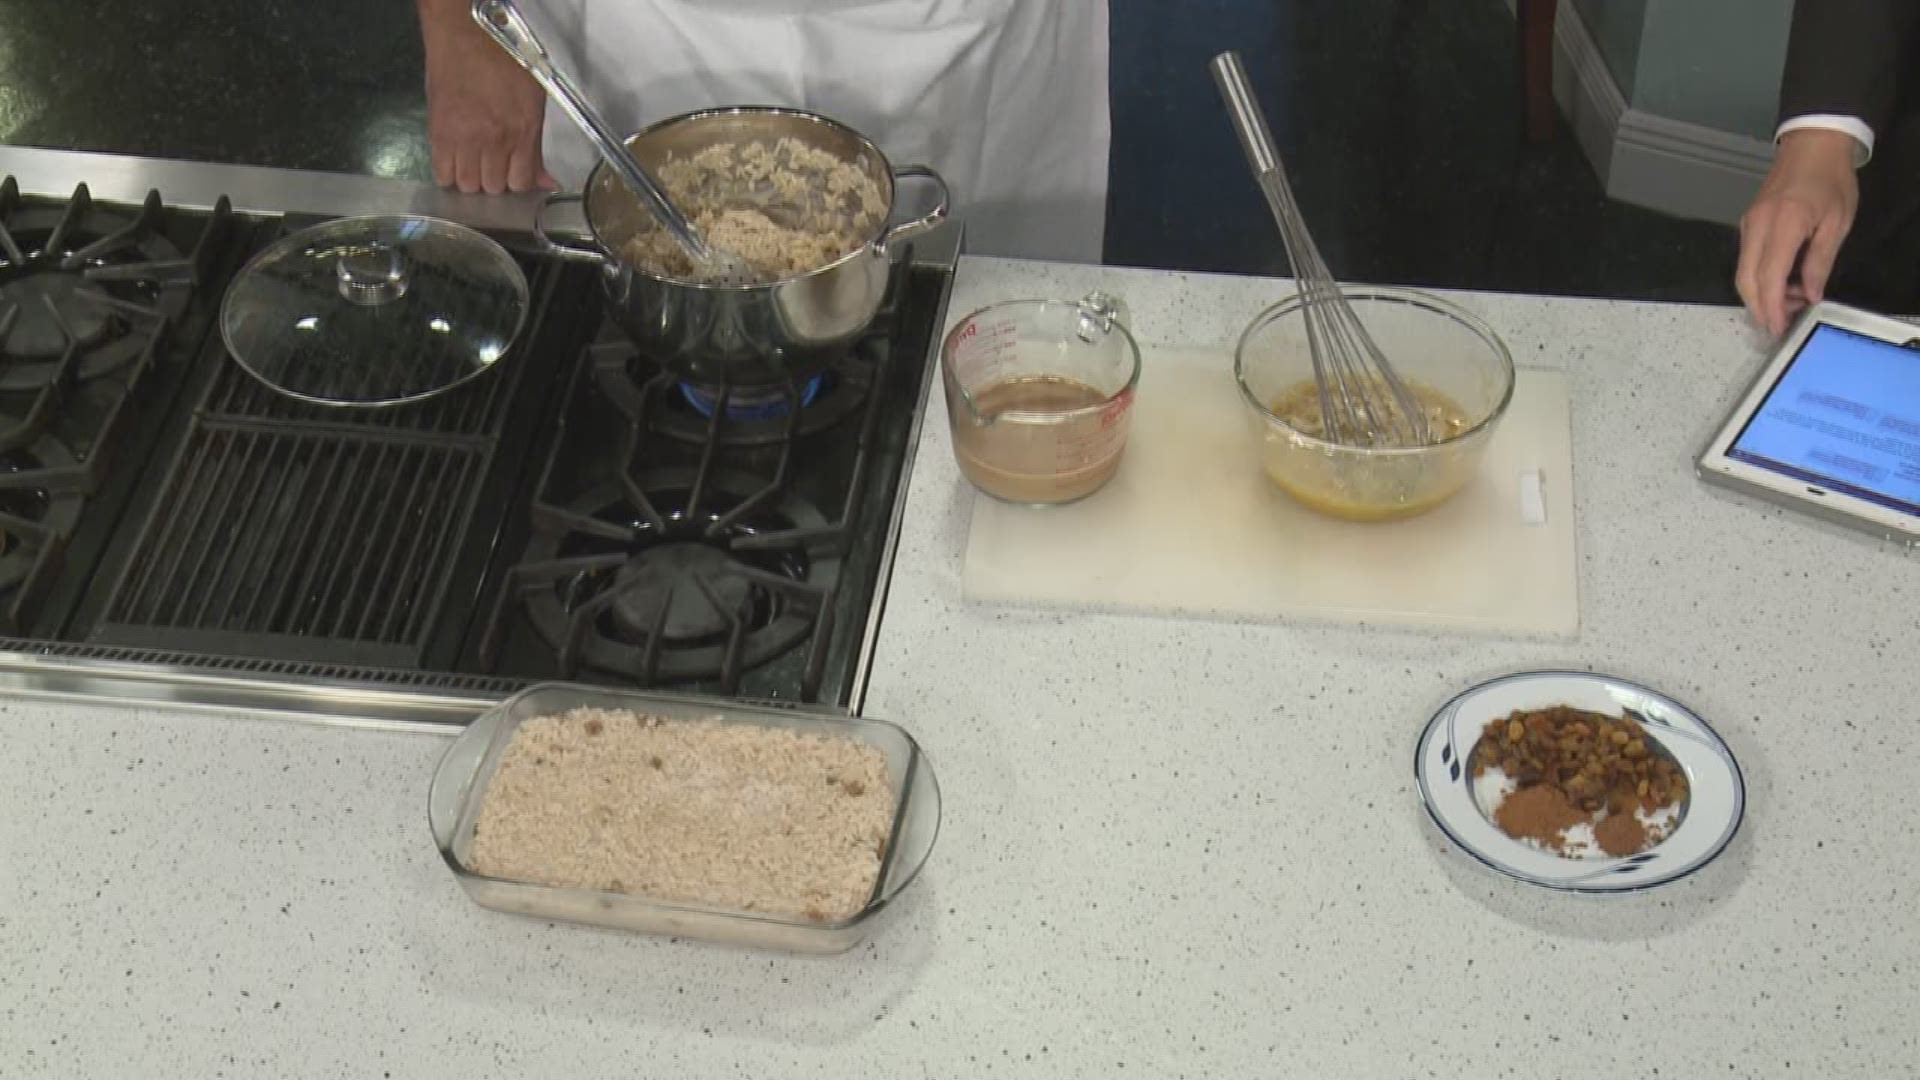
1848, 57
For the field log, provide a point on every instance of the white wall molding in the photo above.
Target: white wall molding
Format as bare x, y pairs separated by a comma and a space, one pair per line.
1663, 164
1685, 169
1589, 99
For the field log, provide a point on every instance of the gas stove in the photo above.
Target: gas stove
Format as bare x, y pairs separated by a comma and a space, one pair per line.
173, 531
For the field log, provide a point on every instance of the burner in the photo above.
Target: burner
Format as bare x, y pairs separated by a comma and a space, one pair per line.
674, 591
750, 402
757, 416
35, 334
653, 580
113, 279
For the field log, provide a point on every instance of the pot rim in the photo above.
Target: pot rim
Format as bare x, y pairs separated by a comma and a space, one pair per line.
865, 248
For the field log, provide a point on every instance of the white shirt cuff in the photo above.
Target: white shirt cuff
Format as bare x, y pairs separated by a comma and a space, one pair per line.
1852, 125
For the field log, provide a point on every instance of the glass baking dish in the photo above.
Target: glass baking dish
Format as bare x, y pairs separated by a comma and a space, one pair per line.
461, 780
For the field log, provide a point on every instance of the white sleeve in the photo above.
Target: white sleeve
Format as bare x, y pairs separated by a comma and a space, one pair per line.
1852, 125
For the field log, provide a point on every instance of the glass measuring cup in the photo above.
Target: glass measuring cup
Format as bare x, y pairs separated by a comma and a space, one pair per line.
1040, 396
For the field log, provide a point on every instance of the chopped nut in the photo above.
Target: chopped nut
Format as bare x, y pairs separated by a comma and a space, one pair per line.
594, 726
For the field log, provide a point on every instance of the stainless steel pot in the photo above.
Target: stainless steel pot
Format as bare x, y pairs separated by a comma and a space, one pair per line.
741, 335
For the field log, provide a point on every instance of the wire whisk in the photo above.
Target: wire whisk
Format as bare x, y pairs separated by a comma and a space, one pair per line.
1363, 400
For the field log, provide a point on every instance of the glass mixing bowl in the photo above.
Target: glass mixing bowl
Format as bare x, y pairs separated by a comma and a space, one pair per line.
1437, 347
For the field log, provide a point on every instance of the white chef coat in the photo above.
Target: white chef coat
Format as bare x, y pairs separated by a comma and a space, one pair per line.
1006, 99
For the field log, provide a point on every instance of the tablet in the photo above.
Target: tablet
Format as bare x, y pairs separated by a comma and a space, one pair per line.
1832, 424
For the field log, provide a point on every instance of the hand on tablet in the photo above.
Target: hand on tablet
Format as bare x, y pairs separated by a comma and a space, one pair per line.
1802, 213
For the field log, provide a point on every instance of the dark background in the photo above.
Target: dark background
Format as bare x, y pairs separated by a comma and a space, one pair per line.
1399, 119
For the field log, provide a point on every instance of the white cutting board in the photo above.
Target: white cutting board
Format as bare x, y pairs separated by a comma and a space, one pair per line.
1190, 525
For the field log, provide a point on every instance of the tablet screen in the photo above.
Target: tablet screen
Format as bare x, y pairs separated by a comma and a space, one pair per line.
1845, 415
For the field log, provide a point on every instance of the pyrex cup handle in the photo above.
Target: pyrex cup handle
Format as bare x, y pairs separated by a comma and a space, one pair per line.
907, 230
1099, 313
555, 245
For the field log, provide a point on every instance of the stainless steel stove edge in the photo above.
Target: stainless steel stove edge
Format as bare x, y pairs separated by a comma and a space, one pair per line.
949, 238
198, 185
90, 681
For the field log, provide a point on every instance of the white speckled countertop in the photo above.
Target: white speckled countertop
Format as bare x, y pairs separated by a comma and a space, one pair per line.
1171, 849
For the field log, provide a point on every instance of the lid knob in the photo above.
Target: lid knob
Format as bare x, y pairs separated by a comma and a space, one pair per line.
371, 274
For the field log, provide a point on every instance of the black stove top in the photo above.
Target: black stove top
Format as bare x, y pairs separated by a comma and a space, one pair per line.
577, 514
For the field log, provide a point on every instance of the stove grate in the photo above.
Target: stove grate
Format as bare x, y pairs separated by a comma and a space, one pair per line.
596, 579
89, 297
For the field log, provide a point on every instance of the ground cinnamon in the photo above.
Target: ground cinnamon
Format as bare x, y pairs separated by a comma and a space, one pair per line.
1541, 813
1620, 834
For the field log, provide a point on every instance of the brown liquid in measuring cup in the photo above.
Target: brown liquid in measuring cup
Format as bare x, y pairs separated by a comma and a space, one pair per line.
1045, 457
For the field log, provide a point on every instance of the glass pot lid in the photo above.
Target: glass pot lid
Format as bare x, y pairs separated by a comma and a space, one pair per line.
374, 310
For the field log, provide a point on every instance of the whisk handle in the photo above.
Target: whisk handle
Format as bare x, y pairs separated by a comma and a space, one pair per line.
1250, 123
1249, 120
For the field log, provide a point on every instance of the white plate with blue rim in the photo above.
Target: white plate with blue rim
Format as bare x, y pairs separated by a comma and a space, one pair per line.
1716, 796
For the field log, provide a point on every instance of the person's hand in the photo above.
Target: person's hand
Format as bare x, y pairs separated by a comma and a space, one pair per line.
483, 110
1803, 212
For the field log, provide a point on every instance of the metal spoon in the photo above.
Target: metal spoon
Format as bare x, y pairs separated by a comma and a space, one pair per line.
503, 22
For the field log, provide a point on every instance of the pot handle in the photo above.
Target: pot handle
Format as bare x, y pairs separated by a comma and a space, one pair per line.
907, 230
554, 245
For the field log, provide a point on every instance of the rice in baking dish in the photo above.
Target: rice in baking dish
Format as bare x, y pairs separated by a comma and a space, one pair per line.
706, 812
